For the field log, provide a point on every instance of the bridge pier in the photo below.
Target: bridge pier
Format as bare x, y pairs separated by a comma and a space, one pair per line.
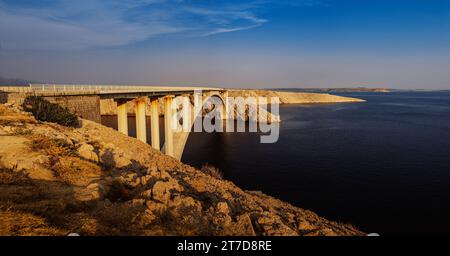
154, 108
175, 141
224, 109
168, 122
141, 129
122, 117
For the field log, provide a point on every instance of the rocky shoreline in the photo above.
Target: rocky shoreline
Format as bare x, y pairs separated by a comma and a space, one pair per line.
93, 180
295, 97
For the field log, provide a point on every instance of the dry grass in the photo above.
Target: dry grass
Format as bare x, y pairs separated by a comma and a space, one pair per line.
212, 171
52, 147
184, 221
118, 219
4, 111
69, 168
9, 117
15, 223
76, 171
8, 177
22, 132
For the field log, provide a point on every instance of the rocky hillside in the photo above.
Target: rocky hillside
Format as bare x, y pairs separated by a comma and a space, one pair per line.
294, 97
93, 180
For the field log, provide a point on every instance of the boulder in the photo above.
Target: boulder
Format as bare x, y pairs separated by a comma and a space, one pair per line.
146, 194
186, 201
87, 151
280, 230
222, 207
159, 174
328, 232
131, 180
272, 225
227, 196
63, 137
244, 226
96, 191
148, 217
121, 161
222, 217
155, 207
267, 220
161, 191
138, 202
304, 225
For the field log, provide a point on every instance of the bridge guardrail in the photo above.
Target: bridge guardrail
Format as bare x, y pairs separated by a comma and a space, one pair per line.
68, 88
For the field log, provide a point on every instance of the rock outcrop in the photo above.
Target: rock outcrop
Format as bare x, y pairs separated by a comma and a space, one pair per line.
294, 97
94, 180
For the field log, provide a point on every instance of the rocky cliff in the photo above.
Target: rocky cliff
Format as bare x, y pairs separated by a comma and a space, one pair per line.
93, 180
294, 97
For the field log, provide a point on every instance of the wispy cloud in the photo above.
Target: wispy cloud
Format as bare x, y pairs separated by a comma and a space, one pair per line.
218, 22
68, 24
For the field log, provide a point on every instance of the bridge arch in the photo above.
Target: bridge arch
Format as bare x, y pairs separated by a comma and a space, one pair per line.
180, 137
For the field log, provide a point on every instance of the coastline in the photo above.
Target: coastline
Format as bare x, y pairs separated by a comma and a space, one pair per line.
295, 97
118, 185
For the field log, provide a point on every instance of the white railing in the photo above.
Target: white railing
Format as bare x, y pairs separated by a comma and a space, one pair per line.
61, 88
88, 88
15, 89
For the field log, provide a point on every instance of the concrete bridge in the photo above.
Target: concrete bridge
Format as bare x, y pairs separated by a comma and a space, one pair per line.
84, 100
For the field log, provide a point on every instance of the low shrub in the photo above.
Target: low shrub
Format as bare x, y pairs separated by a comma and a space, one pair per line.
75, 171
52, 147
212, 171
184, 221
43, 110
118, 192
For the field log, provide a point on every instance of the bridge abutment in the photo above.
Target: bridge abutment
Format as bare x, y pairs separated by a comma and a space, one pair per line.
85, 106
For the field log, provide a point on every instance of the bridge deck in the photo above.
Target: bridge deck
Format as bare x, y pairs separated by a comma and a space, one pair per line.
102, 90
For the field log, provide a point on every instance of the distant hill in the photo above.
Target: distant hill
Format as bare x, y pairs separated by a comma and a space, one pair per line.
330, 90
14, 81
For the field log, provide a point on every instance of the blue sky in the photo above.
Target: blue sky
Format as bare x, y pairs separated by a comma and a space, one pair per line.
260, 43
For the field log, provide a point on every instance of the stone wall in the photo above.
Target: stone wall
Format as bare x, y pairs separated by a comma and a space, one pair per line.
11, 97
87, 106
3, 97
